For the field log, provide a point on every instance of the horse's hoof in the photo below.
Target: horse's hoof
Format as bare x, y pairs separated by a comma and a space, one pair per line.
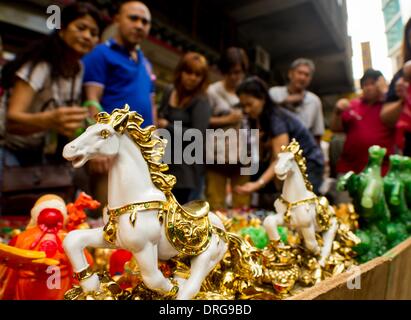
172, 295
91, 284
73, 294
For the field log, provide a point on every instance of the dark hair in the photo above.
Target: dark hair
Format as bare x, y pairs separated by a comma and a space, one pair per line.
191, 62
406, 45
80, 9
231, 57
257, 88
52, 49
370, 74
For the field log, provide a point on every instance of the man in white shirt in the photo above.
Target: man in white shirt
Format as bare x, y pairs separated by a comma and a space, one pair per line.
305, 104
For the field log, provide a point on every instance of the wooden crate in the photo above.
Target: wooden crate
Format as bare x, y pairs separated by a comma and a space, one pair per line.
373, 284
384, 278
399, 273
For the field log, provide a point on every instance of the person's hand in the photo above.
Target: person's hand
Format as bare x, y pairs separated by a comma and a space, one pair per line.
295, 98
162, 123
100, 165
235, 116
401, 88
342, 105
382, 85
248, 188
66, 120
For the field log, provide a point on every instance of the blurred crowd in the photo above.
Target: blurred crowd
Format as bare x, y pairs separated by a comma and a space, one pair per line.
52, 92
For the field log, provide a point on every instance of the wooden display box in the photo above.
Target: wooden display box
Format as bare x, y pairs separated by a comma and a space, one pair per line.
385, 278
399, 275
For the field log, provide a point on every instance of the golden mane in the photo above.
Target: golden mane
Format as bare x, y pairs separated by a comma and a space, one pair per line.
151, 146
295, 149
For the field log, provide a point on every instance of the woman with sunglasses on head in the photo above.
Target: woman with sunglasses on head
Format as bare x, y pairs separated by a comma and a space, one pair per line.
226, 116
44, 88
186, 103
278, 126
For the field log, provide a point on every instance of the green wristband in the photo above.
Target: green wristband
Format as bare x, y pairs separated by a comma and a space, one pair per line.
93, 103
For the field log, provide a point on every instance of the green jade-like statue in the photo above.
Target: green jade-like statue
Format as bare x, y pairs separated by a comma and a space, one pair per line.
400, 226
405, 176
259, 236
367, 191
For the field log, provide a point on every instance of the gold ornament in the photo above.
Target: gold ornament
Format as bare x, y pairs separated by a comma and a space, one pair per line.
281, 268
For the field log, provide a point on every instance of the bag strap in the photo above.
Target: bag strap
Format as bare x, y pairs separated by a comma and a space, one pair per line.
72, 90
56, 87
165, 101
5, 106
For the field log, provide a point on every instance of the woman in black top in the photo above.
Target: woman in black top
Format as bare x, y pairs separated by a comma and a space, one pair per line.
44, 89
185, 106
278, 126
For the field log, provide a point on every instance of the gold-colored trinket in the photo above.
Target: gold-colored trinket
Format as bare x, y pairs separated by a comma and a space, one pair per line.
84, 274
280, 268
187, 227
105, 133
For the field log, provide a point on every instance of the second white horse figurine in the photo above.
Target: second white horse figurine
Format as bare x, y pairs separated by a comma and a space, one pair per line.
299, 207
143, 215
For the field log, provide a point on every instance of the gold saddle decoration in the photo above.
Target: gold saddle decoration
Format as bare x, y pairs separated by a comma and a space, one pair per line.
324, 213
187, 227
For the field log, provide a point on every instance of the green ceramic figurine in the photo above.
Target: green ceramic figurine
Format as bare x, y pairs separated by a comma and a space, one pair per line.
400, 225
406, 178
367, 191
259, 236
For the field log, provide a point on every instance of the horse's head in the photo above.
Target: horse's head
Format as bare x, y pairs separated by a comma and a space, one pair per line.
396, 162
406, 161
291, 158
284, 165
100, 139
377, 154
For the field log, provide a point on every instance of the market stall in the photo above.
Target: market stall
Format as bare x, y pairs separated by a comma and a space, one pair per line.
306, 250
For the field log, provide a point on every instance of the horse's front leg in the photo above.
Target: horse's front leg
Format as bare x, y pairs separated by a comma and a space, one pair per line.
367, 200
153, 278
328, 239
310, 240
271, 224
143, 240
74, 245
395, 195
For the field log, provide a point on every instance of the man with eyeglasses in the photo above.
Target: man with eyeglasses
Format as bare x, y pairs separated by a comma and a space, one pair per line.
116, 73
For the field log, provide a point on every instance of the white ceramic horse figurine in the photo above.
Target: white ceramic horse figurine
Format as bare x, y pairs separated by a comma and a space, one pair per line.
134, 178
299, 207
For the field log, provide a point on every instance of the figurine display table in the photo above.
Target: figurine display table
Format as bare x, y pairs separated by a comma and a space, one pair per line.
205, 258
